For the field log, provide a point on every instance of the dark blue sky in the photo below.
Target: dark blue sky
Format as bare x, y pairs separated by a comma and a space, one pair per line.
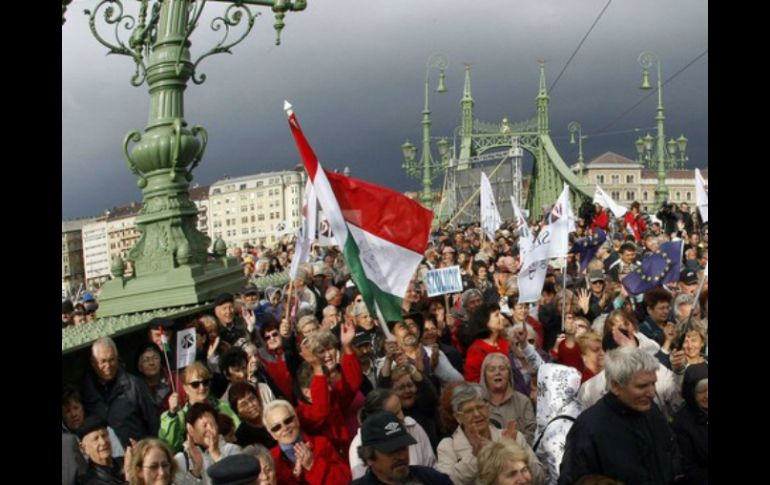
355, 73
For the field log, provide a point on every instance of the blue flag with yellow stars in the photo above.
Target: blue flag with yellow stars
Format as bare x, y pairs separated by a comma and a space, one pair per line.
657, 269
587, 247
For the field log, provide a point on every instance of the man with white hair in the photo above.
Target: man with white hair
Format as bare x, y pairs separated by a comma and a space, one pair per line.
623, 436
121, 399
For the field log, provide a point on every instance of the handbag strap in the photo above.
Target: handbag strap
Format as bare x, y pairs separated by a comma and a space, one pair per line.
561, 416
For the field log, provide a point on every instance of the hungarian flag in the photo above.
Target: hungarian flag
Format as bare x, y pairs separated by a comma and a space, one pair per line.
383, 234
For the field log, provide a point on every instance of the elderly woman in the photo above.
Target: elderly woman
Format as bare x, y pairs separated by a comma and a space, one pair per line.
591, 353
504, 463
557, 408
266, 464
694, 343
301, 458
197, 382
457, 455
150, 462
420, 453
691, 424
419, 399
204, 445
506, 404
247, 403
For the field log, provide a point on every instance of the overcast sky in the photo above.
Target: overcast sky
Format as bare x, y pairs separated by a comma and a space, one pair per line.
354, 70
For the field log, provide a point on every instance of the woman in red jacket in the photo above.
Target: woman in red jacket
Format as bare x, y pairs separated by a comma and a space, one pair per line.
634, 222
601, 219
302, 458
487, 326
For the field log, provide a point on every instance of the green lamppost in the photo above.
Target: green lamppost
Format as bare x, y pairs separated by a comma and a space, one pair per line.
427, 168
575, 127
664, 152
171, 262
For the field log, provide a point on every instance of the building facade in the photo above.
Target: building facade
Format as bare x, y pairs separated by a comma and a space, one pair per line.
96, 252
122, 234
200, 197
73, 272
626, 181
256, 209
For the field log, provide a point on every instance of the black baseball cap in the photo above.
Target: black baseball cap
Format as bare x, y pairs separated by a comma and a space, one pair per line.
224, 298
689, 277
89, 425
384, 432
234, 470
250, 290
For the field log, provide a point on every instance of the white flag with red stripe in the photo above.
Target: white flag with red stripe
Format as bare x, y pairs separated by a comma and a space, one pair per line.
383, 234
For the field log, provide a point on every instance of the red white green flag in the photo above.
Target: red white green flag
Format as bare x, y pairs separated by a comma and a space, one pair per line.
383, 234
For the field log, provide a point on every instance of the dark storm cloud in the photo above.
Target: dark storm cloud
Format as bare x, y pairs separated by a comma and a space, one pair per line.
354, 71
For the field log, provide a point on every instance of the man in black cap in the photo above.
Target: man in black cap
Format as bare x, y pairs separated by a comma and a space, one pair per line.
231, 328
103, 469
235, 470
688, 282
363, 346
385, 450
67, 308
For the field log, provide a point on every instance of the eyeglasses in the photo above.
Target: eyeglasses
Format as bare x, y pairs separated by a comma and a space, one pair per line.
282, 424
597, 282
271, 335
197, 384
155, 466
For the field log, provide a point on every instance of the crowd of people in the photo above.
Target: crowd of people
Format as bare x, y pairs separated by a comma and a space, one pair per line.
303, 385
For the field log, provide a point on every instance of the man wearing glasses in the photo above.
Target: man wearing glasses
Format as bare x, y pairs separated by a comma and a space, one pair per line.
301, 458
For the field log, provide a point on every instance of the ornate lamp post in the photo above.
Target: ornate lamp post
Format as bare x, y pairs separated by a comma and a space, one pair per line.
426, 167
170, 260
664, 152
575, 127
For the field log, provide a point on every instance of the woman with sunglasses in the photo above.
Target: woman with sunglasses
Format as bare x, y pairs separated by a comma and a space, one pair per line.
196, 379
301, 458
273, 359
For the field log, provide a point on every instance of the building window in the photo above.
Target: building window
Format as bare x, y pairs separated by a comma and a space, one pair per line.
244, 220
644, 196
615, 195
629, 179
242, 187
615, 179
688, 196
259, 183
600, 179
678, 196
261, 217
630, 195
216, 191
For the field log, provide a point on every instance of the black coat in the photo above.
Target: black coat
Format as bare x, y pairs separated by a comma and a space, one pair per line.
691, 428
611, 439
126, 403
102, 475
420, 474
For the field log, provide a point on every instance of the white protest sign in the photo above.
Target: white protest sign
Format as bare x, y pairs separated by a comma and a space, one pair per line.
531, 281
443, 281
185, 347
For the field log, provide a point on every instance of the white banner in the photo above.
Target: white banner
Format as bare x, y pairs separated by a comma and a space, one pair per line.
307, 229
522, 227
185, 347
603, 199
553, 239
443, 281
490, 216
325, 234
531, 281
701, 196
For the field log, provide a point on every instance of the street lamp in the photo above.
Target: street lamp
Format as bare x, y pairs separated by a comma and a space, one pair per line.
575, 127
170, 260
664, 151
426, 168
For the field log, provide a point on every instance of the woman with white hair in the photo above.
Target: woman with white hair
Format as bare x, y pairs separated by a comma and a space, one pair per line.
557, 408
457, 455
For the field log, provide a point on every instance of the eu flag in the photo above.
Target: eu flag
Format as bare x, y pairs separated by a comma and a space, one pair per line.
657, 269
587, 247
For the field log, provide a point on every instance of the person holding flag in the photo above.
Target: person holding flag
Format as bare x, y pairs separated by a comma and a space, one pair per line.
634, 222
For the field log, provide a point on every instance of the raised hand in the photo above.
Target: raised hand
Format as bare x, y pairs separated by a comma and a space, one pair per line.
584, 298
173, 402
622, 340
285, 328
347, 332
678, 361
510, 430
213, 347
304, 455
195, 454
249, 318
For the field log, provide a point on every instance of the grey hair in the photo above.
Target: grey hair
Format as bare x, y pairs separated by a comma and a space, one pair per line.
359, 309
328, 309
622, 363
104, 342
278, 403
258, 451
701, 384
466, 392
331, 293
305, 319
683, 299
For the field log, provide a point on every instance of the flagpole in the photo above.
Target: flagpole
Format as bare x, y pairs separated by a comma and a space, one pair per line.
473, 197
170, 372
564, 293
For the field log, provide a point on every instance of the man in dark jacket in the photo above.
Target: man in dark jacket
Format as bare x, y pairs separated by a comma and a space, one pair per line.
624, 435
123, 400
385, 450
691, 425
102, 469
